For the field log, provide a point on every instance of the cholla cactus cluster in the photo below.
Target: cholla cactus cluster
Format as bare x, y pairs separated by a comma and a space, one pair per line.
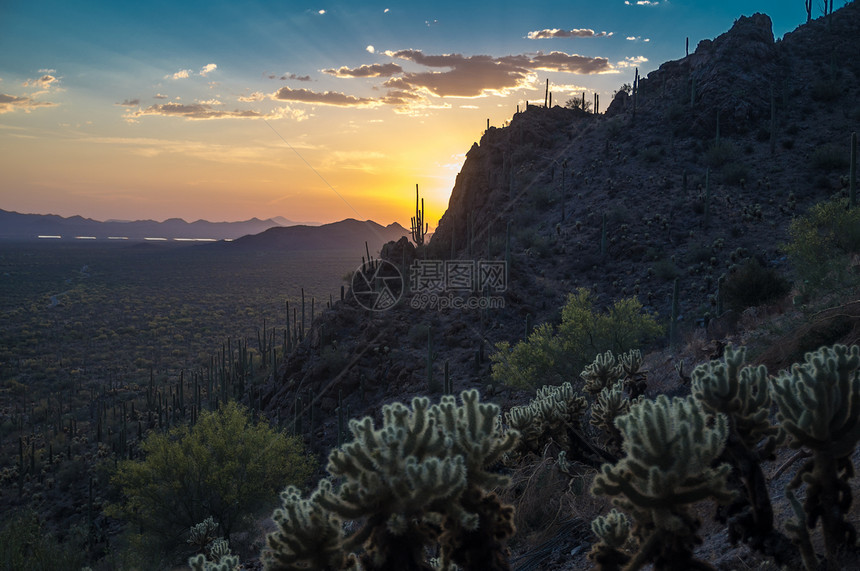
424, 478
606, 369
609, 405
743, 395
602, 373
202, 536
819, 406
670, 448
548, 416
740, 393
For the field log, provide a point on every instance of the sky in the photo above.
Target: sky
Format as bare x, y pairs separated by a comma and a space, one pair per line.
314, 111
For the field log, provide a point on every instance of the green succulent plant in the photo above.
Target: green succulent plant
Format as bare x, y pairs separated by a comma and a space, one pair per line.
670, 447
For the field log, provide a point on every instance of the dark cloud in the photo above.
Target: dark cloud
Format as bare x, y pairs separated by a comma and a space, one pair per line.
473, 76
192, 111
9, 103
375, 70
558, 33
292, 76
130, 102
324, 98
570, 63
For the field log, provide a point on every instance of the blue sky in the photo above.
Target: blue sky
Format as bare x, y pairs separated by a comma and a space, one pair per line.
312, 111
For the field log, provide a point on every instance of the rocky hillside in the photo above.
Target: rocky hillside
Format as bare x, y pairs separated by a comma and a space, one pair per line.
698, 170
693, 173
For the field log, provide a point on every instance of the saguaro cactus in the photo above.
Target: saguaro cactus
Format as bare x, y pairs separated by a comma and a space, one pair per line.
419, 227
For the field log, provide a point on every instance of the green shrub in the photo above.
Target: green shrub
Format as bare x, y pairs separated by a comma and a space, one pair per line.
549, 357
822, 241
537, 361
224, 466
753, 284
26, 544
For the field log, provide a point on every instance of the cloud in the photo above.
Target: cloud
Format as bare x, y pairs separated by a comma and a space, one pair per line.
386, 10
558, 33
325, 98
207, 69
292, 76
643, 3
130, 102
160, 96
632, 61
321, 12
480, 75
374, 70
9, 103
43, 82
370, 49
181, 74
632, 38
203, 110
47, 71
210, 102
256, 96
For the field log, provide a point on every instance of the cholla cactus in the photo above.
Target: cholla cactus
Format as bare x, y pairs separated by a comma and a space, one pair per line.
743, 395
635, 380
226, 563
819, 406
423, 477
308, 536
609, 405
602, 373
202, 536
669, 450
549, 416
613, 532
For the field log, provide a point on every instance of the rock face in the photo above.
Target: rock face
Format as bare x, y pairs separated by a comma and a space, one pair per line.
621, 204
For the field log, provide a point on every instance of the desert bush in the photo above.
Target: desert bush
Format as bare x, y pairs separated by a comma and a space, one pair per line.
551, 357
224, 466
719, 154
822, 240
538, 360
26, 544
829, 158
753, 284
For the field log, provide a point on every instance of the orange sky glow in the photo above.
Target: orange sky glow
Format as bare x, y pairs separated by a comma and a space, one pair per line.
222, 111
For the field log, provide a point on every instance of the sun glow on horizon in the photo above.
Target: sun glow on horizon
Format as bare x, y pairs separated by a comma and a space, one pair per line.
284, 121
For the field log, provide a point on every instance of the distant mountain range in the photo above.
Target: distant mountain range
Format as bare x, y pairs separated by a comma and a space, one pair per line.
344, 235
14, 225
